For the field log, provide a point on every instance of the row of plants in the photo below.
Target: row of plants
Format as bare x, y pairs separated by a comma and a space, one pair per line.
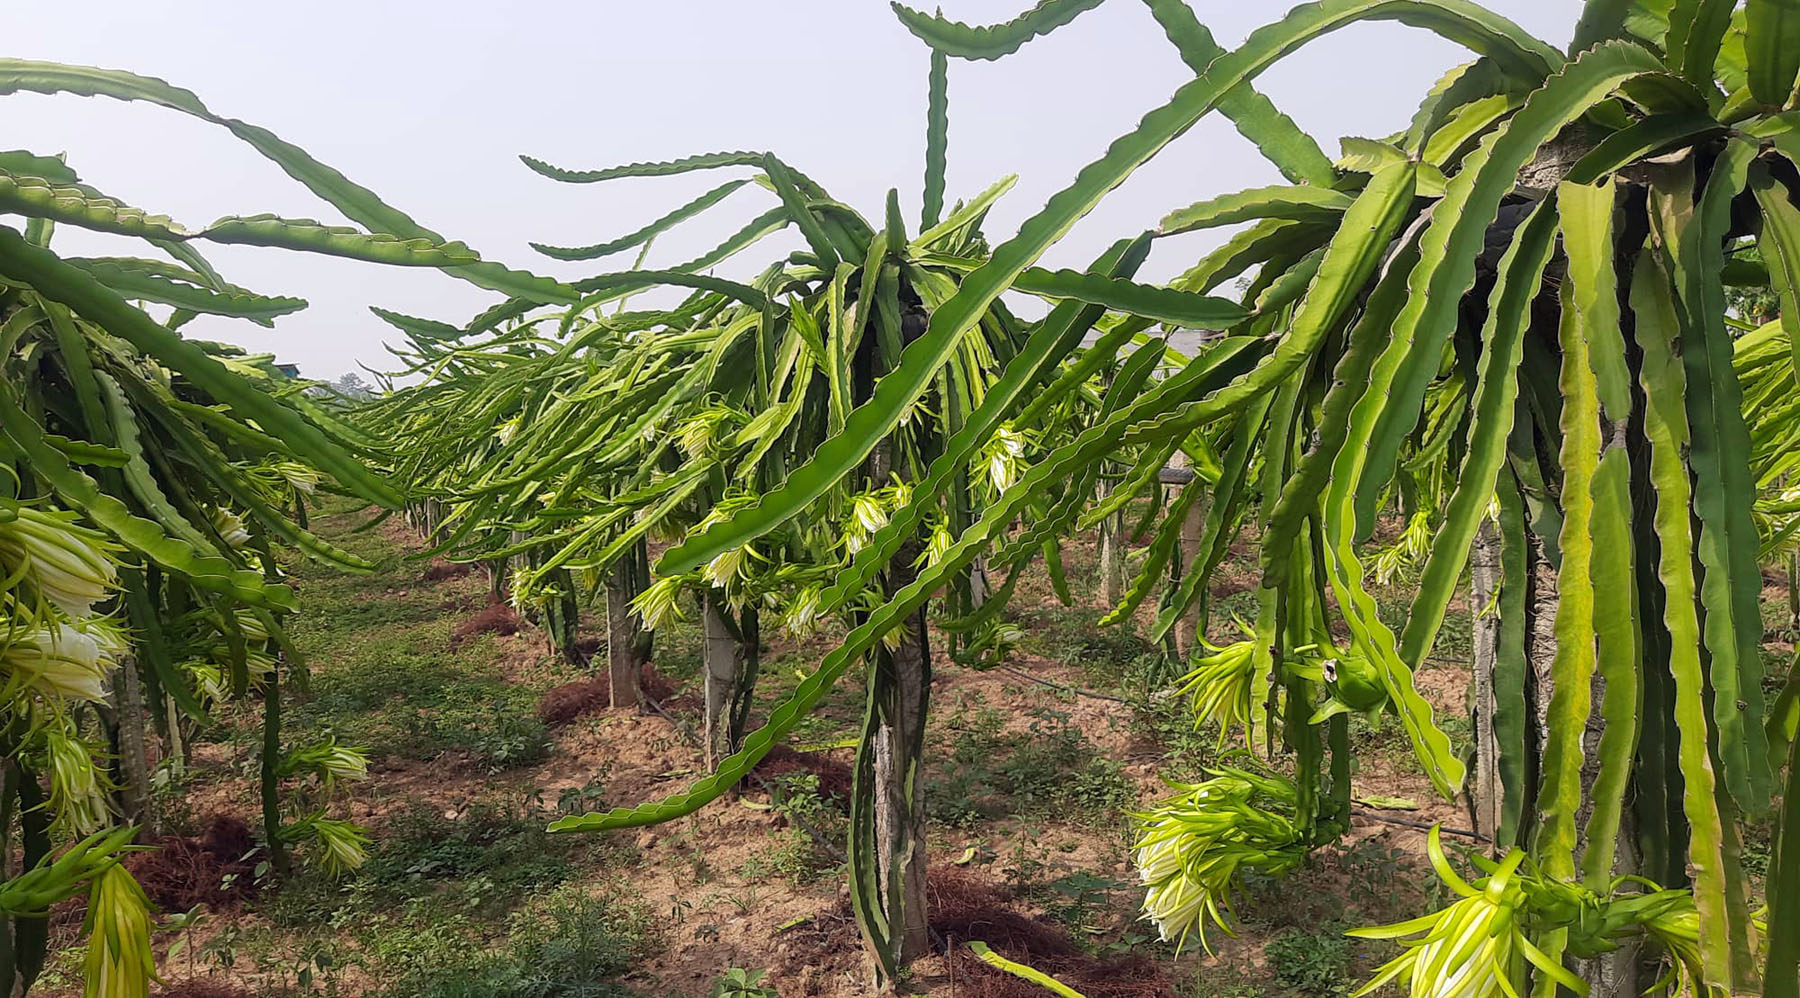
1508, 323
151, 487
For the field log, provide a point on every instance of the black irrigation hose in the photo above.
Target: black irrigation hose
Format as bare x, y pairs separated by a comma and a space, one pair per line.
1420, 825
1059, 686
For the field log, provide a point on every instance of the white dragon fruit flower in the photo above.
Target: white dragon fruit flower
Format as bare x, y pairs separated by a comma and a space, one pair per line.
1172, 901
57, 660
726, 566
804, 612
1005, 458
231, 528
70, 566
301, 477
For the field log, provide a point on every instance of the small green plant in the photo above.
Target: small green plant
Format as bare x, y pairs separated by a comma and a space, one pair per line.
590, 796
511, 741
486, 859
799, 854
1079, 900
1312, 964
740, 983
1106, 655
1164, 719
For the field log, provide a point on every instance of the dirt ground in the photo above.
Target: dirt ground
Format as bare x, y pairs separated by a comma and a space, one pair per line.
1053, 878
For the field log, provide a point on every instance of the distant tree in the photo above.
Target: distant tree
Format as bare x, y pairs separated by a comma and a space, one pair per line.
352, 386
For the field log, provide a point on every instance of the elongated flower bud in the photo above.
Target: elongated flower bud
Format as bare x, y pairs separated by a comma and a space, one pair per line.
33, 892
658, 606
251, 625
803, 612
208, 677
1004, 456
120, 963
1220, 685
329, 761
1475, 948
231, 528
868, 514
343, 845
69, 565
1191, 848
301, 477
260, 665
726, 567
78, 790
937, 543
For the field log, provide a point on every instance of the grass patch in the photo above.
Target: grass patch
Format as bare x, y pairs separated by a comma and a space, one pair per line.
1312, 963
432, 870
385, 674
1050, 769
1187, 749
569, 945
409, 701
1106, 656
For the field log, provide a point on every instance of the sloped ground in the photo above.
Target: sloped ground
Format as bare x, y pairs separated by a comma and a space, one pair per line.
465, 895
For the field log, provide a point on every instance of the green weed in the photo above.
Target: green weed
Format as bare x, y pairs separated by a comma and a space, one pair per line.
571, 945
1050, 769
424, 866
1313, 964
740, 983
796, 855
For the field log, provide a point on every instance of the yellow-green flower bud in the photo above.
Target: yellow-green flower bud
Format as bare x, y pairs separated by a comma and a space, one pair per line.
658, 606
120, 962
344, 844
302, 478
329, 761
724, 569
78, 790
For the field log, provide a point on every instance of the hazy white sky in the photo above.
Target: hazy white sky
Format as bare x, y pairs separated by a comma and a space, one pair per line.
430, 103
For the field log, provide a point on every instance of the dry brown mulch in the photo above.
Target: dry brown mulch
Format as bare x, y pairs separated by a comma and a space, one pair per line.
183, 871
440, 570
495, 618
965, 907
562, 704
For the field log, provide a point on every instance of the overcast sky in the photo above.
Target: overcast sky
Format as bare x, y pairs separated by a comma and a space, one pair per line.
429, 104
